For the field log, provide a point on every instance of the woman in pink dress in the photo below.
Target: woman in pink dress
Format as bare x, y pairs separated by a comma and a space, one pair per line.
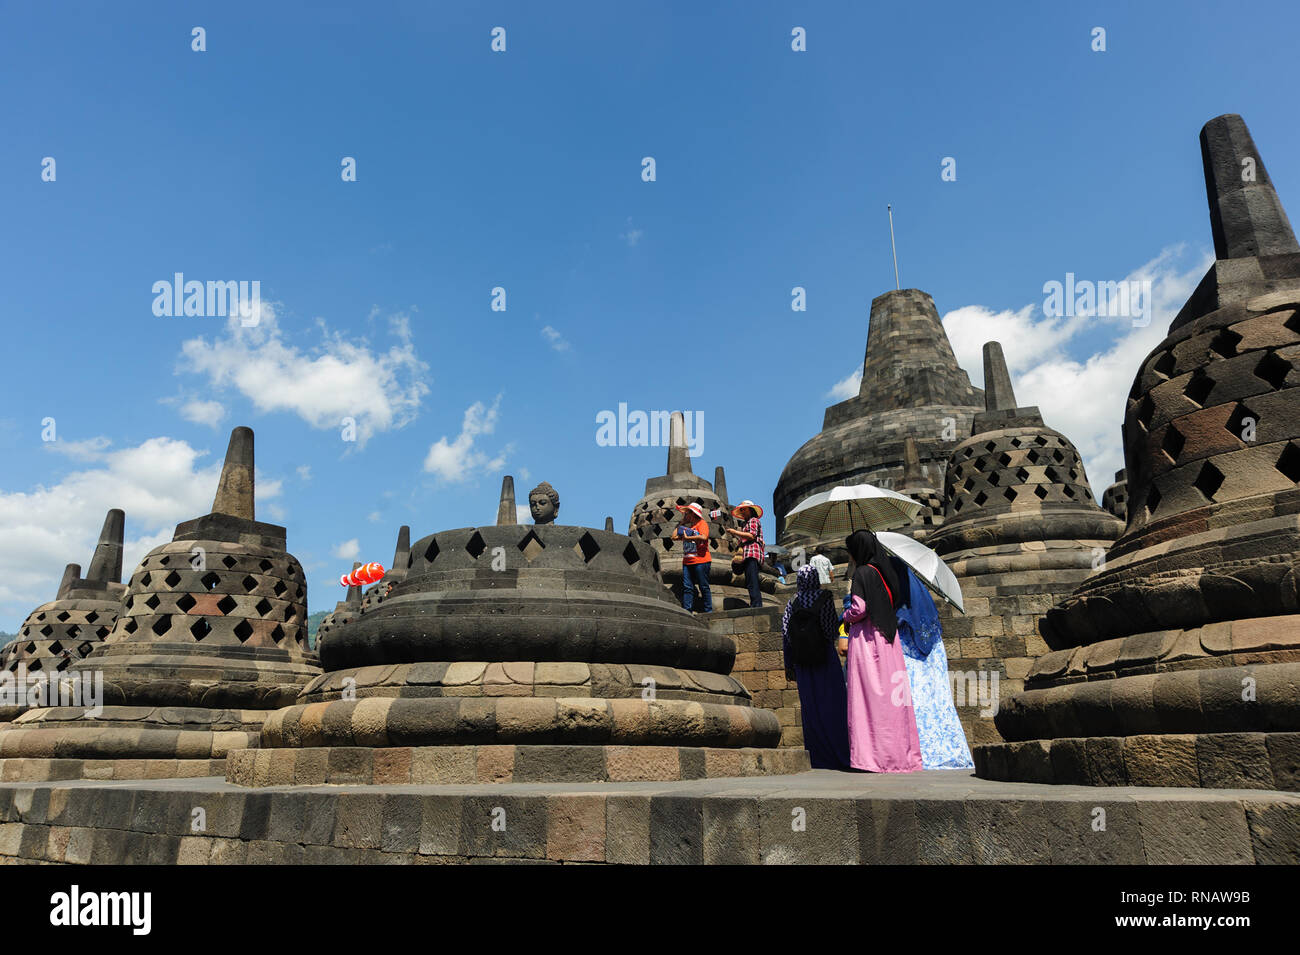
882, 724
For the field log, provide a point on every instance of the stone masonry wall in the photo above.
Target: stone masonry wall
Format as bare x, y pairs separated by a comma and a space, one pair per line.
760, 664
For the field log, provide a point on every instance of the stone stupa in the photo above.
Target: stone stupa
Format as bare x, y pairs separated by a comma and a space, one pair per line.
211, 638
1020, 529
521, 652
911, 386
1179, 660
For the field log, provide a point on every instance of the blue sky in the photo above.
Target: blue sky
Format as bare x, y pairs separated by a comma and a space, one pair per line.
522, 170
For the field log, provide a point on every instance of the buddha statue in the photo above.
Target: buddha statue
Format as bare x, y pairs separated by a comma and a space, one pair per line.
544, 503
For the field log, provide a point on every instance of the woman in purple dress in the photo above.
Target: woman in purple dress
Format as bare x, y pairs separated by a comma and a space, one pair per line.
882, 725
812, 662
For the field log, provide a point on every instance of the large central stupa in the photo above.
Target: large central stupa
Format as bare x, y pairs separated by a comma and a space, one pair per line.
911, 386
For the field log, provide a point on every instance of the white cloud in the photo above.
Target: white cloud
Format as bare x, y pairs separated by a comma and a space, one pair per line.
339, 378
556, 340
158, 483
374, 517
348, 550
631, 236
203, 412
1081, 395
458, 460
847, 387
304, 472
523, 514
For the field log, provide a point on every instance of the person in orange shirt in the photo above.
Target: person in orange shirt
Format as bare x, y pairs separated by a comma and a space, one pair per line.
693, 532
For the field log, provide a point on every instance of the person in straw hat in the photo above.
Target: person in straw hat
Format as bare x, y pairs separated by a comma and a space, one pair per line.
693, 532
750, 535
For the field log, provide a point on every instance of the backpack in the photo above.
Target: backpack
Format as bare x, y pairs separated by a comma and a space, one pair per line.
807, 638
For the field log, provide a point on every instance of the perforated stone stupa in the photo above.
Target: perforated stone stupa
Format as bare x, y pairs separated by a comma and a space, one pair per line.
911, 386
1021, 528
1179, 661
212, 635
518, 652
57, 634
655, 517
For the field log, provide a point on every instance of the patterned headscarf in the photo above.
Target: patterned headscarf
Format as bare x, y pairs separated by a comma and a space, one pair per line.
809, 589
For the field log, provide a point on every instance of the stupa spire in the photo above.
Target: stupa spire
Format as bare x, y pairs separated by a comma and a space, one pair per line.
1246, 215
679, 459
506, 513
106, 564
998, 395
235, 489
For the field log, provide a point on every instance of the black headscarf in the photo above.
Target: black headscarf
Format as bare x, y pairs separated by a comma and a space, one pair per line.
867, 553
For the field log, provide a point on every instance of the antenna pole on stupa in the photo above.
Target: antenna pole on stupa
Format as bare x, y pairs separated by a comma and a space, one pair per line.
892, 246
353, 598
71, 574
679, 459
998, 395
506, 513
235, 489
402, 555
106, 564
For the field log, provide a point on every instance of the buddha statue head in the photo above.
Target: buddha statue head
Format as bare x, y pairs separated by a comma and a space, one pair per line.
544, 503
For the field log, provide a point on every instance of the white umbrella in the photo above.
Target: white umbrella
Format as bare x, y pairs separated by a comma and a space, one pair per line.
928, 565
856, 507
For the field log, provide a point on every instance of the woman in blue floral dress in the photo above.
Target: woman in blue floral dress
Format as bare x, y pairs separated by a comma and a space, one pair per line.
943, 743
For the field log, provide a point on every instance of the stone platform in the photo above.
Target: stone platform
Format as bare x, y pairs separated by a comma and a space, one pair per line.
821, 816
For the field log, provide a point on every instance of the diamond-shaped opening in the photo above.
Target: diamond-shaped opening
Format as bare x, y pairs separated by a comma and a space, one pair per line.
631, 554
263, 607
74, 631
131, 626
1198, 387
278, 633
249, 584
62, 616
1236, 423
1052, 475
1004, 459
1209, 480
1164, 365
1009, 494
1145, 410
164, 560
33, 665
152, 602
56, 647
85, 648
210, 579
92, 617
162, 625
431, 552
1041, 491
681, 500
1289, 462
1068, 491
63, 664
46, 630
980, 498
1058, 456
1173, 443
1293, 323
476, 545
970, 483
227, 604
587, 547
991, 446
243, 630
993, 478
1032, 456
1015, 442
279, 588
1041, 440
531, 545
1225, 343
655, 564
172, 579
288, 612
265, 566
101, 633
968, 452
1022, 475
200, 628
981, 463
229, 561
144, 581
1273, 369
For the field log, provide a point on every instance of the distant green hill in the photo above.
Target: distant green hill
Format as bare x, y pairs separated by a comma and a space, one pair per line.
313, 621
6, 637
